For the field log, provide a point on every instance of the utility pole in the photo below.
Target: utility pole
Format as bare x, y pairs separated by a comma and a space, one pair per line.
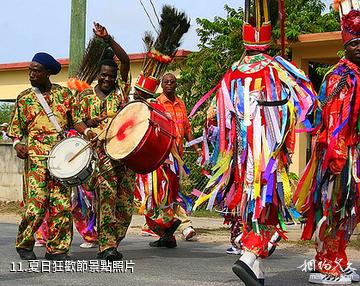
77, 34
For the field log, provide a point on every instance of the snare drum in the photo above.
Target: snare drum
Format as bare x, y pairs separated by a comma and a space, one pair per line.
79, 170
141, 136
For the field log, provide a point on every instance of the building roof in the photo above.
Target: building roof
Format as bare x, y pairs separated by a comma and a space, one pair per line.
316, 39
65, 61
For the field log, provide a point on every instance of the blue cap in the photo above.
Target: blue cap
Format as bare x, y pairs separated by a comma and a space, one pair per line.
48, 62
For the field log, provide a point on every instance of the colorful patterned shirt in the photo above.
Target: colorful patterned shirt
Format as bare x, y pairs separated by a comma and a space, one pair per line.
90, 106
30, 121
177, 112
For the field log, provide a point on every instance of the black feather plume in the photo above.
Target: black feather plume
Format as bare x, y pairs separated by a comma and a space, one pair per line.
173, 25
88, 68
274, 11
148, 40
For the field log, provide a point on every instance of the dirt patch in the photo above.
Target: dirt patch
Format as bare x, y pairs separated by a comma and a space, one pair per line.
10, 207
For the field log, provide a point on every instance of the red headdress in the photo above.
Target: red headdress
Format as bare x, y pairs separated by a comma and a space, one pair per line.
350, 19
257, 29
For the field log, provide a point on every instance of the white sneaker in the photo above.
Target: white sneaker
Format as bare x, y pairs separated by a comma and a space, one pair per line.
319, 278
189, 233
88, 245
350, 272
39, 244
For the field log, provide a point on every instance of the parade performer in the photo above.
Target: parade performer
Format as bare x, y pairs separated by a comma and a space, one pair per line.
158, 192
257, 105
41, 130
82, 198
112, 181
328, 192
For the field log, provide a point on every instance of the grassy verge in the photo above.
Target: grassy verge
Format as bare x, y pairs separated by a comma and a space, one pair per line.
205, 213
355, 242
197, 213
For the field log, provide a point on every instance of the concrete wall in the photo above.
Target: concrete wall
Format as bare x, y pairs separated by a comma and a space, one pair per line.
11, 170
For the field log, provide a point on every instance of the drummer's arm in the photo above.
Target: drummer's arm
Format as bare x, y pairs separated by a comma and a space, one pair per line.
123, 58
189, 137
18, 130
82, 128
78, 108
101, 32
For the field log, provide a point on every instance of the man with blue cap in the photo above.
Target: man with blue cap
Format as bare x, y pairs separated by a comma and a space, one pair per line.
33, 125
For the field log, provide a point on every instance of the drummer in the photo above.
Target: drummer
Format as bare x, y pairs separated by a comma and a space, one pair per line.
112, 181
31, 124
162, 220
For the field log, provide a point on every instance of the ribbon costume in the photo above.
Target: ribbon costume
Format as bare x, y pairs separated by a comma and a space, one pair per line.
257, 105
328, 192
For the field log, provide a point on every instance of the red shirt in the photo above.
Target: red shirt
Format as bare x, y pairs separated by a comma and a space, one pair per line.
177, 111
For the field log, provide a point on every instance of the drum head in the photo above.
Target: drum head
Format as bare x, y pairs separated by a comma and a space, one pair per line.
127, 129
58, 163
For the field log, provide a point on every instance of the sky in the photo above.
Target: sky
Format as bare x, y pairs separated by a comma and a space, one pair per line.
44, 25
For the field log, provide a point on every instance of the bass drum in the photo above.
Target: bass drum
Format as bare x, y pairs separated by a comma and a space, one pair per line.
141, 136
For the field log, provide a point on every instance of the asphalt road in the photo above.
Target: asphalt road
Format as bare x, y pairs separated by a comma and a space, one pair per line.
191, 263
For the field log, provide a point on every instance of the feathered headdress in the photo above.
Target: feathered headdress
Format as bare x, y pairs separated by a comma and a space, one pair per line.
160, 52
88, 68
257, 29
350, 19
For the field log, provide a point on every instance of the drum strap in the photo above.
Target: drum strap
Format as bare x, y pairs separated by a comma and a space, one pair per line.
47, 109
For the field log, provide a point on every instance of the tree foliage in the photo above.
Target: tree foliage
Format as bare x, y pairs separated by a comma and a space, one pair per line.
6, 110
221, 45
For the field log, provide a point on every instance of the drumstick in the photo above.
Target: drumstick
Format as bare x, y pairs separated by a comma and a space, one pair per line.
86, 146
42, 156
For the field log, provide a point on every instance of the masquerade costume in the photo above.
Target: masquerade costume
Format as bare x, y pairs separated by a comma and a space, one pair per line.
328, 192
257, 105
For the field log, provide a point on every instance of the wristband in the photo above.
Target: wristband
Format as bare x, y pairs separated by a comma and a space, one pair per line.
107, 39
86, 131
16, 141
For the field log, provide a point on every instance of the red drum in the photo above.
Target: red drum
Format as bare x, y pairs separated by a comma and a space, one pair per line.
141, 136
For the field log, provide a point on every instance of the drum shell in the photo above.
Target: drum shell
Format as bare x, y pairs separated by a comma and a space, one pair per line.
81, 176
155, 146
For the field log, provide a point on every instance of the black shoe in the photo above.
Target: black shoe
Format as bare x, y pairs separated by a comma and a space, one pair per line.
171, 230
157, 243
244, 272
171, 243
110, 254
26, 254
57, 256
162, 242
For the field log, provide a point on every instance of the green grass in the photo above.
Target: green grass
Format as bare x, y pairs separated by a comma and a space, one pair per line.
355, 242
197, 213
205, 213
